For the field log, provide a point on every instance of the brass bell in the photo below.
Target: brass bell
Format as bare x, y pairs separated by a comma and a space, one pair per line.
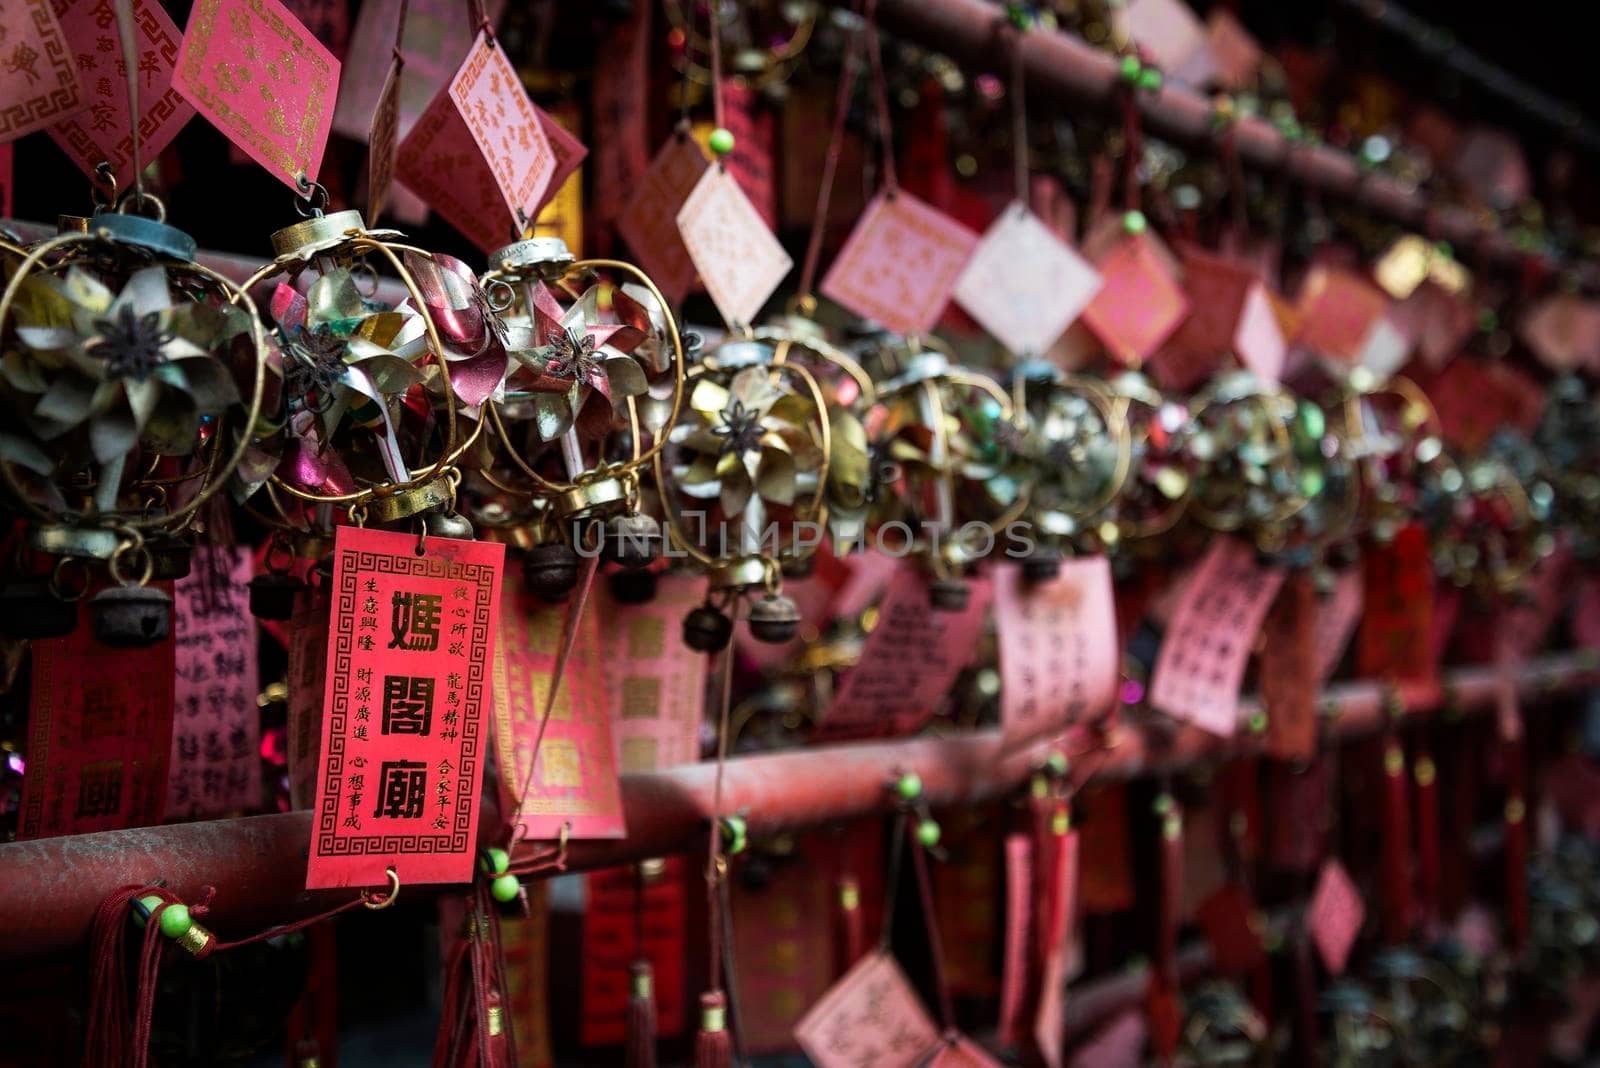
774, 619
632, 540
130, 616
170, 561
448, 525
635, 585
272, 595
948, 595
706, 630
29, 610
550, 570
1041, 565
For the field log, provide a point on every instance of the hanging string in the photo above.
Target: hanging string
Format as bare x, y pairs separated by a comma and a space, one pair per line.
480, 18
716, 68
1019, 120
919, 862
714, 859
891, 885
885, 127
569, 638
130, 61
1132, 148
830, 164
400, 35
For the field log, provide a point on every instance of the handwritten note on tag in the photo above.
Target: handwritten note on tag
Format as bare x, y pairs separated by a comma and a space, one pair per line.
655, 685
1334, 916
479, 154
900, 263
39, 80
99, 735
1024, 284
908, 662
738, 259
870, 1016
1139, 305
260, 77
574, 778
1058, 647
649, 222
405, 731
216, 727
1203, 656
102, 130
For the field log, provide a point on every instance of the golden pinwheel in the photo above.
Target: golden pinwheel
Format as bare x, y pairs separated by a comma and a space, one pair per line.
580, 367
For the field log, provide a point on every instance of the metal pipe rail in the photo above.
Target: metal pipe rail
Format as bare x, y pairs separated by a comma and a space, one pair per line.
50, 888
1064, 69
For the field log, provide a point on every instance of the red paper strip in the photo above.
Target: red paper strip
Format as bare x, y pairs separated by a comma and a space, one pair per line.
6, 156
410, 645
1297, 808
1058, 648
216, 729
622, 102
39, 81
1429, 864
1107, 872
308, 682
525, 945
871, 1016
383, 141
1397, 901
261, 78
1334, 916
1228, 919
1395, 642
99, 735
909, 661
655, 685
1288, 679
966, 902
1202, 659
479, 154
900, 263
610, 946
782, 941
1337, 616
1015, 959
574, 781
102, 131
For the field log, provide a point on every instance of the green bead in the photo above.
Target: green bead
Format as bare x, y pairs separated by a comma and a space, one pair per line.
505, 888
1134, 222
145, 906
175, 921
1258, 723
910, 786
734, 834
1162, 804
1150, 79
928, 833
1057, 763
495, 861
1488, 321
721, 141
1130, 68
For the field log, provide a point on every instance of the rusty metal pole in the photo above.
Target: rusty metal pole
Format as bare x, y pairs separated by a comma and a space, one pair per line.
49, 888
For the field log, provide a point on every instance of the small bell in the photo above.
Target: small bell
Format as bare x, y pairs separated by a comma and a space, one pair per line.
635, 585
448, 525
272, 595
551, 570
706, 630
632, 540
29, 610
170, 561
1041, 565
130, 616
948, 595
774, 619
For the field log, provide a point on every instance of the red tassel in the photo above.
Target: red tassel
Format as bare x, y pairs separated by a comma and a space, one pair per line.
852, 926
1516, 824
474, 1029
1396, 845
1426, 776
640, 1051
111, 1039
713, 1047
1171, 890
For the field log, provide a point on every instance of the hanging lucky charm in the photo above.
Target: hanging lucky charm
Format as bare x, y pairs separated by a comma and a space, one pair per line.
593, 385
133, 377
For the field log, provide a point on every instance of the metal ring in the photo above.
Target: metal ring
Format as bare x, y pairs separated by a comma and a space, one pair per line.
375, 902
306, 204
56, 589
134, 545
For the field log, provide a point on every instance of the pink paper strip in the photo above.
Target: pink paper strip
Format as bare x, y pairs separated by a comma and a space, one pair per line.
1058, 648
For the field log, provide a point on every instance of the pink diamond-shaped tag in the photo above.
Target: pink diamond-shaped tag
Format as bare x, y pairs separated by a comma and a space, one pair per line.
1335, 916
39, 79
900, 263
258, 75
739, 260
1024, 284
479, 155
1139, 304
1258, 341
102, 130
871, 1016
1337, 310
649, 223
961, 1052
